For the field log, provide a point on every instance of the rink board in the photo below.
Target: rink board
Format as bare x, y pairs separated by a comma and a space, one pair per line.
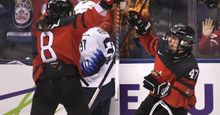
16, 89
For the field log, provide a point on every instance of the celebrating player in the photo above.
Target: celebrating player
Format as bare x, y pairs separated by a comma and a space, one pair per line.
173, 78
56, 72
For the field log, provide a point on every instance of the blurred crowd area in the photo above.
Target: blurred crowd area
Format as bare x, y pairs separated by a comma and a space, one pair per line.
18, 43
166, 13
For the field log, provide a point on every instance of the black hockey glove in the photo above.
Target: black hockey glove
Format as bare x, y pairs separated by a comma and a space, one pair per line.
157, 85
46, 24
107, 4
142, 27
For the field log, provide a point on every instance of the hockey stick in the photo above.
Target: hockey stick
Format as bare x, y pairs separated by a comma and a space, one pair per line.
132, 27
101, 84
117, 54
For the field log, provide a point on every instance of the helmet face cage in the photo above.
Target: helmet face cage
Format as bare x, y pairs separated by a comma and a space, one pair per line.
185, 34
59, 8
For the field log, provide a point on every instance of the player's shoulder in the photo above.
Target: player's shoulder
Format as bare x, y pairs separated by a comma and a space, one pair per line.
83, 6
190, 62
185, 66
96, 33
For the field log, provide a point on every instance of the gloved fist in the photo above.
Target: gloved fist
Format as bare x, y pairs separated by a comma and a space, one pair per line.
163, 89
44, 24
158, 85
107, 4
134, 19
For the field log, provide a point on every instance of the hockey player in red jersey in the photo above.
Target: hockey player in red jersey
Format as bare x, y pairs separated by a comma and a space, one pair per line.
173, 78
210, 40
56, 71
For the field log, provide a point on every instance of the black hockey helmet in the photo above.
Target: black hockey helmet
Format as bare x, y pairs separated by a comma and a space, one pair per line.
59, 8
185, 34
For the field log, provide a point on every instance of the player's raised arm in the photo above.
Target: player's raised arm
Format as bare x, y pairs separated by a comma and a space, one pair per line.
143, 27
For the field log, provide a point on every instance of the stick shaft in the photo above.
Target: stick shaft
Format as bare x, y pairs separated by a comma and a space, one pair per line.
101, 84
117, 52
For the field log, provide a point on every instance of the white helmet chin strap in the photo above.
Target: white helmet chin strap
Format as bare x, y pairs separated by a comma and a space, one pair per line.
164, 105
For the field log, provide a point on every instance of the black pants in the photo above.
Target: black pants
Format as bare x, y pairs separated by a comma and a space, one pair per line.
102, 103
63, 90
151, 101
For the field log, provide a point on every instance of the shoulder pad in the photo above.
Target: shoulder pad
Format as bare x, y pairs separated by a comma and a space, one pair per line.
83, 6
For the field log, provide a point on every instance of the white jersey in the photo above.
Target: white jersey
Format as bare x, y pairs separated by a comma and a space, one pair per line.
96, 54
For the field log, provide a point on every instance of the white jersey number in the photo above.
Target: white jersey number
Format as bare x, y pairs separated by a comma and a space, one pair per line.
194, 74
82, 45
47, 35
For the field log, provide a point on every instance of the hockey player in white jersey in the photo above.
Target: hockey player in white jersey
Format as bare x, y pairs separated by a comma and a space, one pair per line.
96, 54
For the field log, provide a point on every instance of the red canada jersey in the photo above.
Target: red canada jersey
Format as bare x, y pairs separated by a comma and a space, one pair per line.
62, 43
57, 44
182, 74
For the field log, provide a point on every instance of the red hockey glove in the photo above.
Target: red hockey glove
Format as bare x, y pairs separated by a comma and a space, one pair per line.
158, 85
134, 19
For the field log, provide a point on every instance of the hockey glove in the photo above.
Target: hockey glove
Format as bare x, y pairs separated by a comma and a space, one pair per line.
106, 4
142, 27
45, 24
158, 85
